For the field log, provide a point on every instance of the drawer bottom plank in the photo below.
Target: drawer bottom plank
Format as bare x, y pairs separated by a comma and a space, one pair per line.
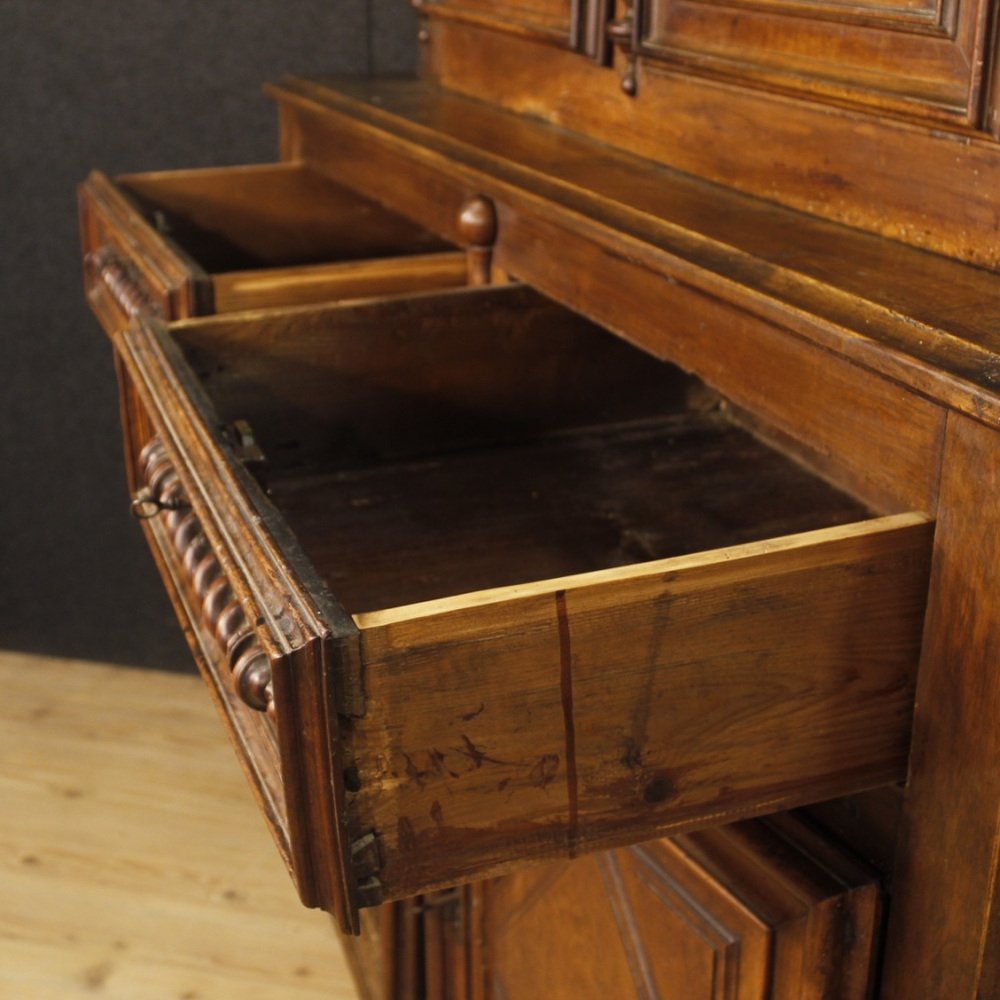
561, 503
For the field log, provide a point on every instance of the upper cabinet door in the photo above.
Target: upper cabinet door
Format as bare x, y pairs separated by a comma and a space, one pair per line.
919, 59
549, 20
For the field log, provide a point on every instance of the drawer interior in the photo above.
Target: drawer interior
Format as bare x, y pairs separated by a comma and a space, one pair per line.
276, 234
419, 451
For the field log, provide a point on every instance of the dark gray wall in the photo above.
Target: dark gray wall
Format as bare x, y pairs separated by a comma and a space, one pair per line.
121, 85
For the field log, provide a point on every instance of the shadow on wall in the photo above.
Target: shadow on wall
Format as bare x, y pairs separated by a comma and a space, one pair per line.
121, 86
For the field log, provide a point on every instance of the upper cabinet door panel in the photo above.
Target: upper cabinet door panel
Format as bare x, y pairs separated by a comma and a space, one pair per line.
913, 57
919, 59
547, 19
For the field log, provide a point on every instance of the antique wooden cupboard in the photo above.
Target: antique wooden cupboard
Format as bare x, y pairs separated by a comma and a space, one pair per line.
576, 473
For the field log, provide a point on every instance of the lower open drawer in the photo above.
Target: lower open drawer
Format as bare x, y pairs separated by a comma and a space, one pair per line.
505, 589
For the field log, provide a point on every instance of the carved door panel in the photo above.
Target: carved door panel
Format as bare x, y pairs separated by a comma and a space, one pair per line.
544, 19
386, 957
915, 58
760, 910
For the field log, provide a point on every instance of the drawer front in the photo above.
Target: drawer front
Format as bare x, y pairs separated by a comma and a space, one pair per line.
267, 641
458, 730
128, 267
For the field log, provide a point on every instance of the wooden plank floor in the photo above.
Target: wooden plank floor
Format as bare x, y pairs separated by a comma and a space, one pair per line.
133, 863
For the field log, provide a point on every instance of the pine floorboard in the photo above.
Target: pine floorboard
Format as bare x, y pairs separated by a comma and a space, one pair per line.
133, 863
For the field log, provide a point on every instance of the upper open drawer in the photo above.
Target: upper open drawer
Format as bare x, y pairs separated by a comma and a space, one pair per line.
510, 589
194, 242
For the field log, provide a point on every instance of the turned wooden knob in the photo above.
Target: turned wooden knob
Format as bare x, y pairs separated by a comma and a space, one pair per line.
477, 226
477, 221
252, 680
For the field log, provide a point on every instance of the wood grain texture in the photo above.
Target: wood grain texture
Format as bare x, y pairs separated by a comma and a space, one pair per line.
943, 926
535, 690
358, 383
548, 20
863, 431
110, 220
670, 695
732, 130
753, 911
222, 239
306, 638
268, 215
133, 862
659, 277
559, 504
872, 295
931, 70
294, 286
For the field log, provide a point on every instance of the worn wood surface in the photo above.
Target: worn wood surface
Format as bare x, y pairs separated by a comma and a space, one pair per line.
306, 638
176, 285
902, 312
847, 138
793, 145
749, 910
718, 319
361, 382
569, 715
134, 864
929, 72
219, 239
552, 506
503, 662
943, 939
291, 286
272, 215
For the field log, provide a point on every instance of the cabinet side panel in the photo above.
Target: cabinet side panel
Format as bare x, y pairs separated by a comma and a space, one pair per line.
943, 922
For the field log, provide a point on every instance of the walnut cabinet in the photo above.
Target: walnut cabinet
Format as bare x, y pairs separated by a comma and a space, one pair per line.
573, 471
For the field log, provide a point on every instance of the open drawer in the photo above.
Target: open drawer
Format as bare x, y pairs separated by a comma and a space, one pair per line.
505, 588
194, 242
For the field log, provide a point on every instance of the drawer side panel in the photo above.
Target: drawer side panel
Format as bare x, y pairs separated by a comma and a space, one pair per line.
612, 707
